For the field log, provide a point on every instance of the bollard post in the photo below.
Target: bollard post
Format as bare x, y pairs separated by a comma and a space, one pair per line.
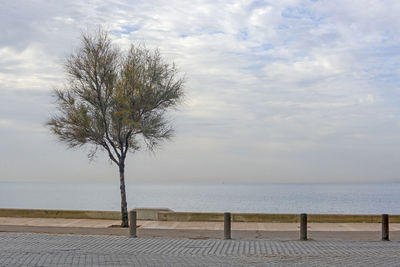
385, 227
132, 223
227, 225
303, 226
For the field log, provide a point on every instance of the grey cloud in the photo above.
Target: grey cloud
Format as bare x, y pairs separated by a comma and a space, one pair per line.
278, 91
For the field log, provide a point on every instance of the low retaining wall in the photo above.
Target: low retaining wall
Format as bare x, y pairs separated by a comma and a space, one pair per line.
169, 215
149, 214
142, 214
349, 218
274, 217
219, 217
68, 214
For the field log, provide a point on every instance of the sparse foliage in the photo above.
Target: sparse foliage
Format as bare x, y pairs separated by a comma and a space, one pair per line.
115, 101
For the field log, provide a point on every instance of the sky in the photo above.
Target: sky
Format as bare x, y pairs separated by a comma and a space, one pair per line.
276, 91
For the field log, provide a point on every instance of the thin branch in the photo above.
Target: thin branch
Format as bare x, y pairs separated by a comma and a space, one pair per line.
112, 145
104, 144
128, 135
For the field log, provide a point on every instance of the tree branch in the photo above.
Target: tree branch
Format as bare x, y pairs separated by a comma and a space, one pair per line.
112, 145
128, 135
104, 144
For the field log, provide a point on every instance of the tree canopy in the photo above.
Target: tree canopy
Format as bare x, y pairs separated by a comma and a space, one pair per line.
114, 99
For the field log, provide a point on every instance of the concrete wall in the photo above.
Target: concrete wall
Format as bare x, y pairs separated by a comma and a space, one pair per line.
265, 217
142, 214
149, 214
169, 215
72, 214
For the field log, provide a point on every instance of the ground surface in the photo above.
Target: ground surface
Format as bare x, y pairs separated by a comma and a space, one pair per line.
240, 226
22, 249
200, 230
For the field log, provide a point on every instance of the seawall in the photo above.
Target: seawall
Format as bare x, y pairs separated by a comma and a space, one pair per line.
169, 215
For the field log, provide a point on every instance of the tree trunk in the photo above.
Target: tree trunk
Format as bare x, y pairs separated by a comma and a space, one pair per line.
124, 205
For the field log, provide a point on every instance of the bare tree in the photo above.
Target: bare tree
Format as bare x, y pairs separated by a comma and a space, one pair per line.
115, 101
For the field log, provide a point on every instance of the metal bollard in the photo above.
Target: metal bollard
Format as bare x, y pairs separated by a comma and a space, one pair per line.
385, 227
303, 226
227, 225
132, 223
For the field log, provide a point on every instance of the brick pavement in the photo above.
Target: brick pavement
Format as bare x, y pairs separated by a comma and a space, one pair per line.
21, 249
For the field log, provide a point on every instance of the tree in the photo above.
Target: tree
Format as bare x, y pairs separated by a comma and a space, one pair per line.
115, 101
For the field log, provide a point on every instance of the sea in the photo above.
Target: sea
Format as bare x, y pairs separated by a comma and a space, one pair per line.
335, 198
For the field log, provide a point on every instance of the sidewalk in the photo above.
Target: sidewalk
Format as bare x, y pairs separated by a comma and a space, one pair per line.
22, 249
239, 226
326, 231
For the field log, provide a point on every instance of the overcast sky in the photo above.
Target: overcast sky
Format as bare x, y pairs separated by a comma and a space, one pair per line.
277, 91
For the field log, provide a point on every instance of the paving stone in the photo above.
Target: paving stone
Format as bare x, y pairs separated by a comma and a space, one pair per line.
22, 249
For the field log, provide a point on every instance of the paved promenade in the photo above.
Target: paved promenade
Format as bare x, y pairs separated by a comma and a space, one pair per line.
200, 230
21, 249
239, 226
280, 231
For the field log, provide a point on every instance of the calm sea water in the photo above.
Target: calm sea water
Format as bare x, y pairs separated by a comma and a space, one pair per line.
262, 198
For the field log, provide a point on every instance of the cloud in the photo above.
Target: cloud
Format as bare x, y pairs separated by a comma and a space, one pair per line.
30, 68
269, 84
20, 126
369, 99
